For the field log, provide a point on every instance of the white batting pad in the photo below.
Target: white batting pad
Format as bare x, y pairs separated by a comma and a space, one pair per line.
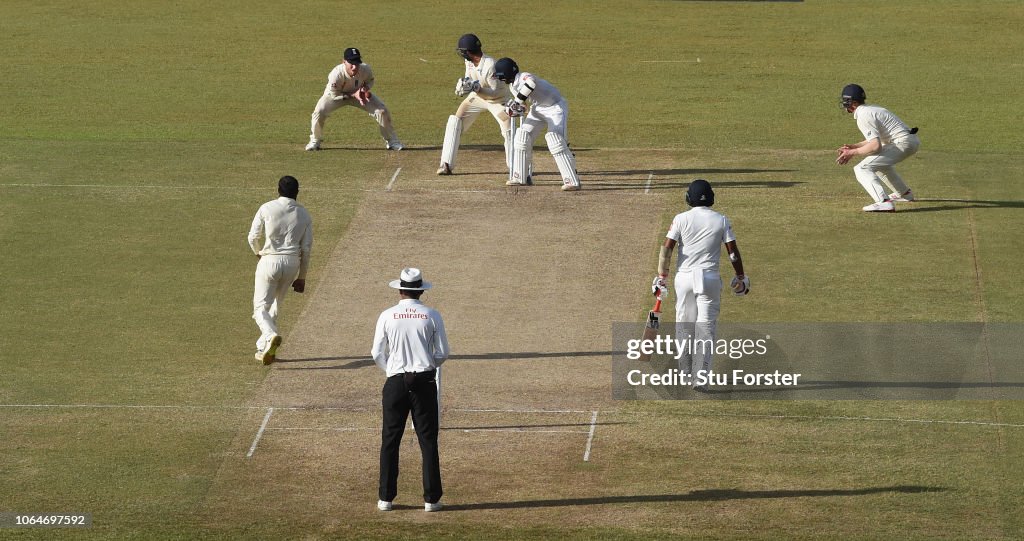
564, 158
452, 134
520, 161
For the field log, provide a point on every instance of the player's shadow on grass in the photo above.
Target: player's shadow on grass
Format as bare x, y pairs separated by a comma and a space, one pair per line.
355, 361
525, 428
709, 495
677, 185
961, 204
362, 361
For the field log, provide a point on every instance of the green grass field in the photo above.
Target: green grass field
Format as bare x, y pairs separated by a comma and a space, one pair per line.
137, 140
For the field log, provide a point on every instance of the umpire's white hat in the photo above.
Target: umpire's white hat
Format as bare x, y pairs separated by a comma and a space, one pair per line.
411, 279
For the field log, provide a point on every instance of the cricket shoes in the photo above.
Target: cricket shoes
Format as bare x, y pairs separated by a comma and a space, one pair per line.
383, 505
905, 197
884, 206
529, 180
513, 183
444, 170
394, 145
269, 351
431, 507
313, 145
570, 187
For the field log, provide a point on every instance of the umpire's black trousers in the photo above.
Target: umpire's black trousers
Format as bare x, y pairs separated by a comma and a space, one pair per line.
416, 392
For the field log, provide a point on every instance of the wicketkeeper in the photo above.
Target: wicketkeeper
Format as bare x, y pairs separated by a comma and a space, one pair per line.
483, 92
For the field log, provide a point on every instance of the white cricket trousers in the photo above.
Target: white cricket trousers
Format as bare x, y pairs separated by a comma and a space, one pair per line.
555, 117
473, 105
876, 172
274, 275
374, 107
698, 297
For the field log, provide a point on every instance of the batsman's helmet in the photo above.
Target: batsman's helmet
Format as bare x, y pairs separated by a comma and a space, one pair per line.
469, 43
852, 93
506, 69
700, 194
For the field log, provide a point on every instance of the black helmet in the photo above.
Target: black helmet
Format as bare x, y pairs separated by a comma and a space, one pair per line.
469, 43
852, 93
700, 194
506, 69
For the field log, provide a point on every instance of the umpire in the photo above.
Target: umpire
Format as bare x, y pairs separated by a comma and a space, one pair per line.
409, 344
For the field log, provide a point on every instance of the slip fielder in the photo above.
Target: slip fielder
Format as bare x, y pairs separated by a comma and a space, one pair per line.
887, 142
483, 91
349, 84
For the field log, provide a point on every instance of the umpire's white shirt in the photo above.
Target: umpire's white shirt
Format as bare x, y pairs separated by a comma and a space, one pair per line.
879, 123
288, 228
699, 234
410, 337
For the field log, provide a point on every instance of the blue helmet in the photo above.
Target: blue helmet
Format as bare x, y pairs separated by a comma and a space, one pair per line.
852, 93
506, 69
700, 194
469, 43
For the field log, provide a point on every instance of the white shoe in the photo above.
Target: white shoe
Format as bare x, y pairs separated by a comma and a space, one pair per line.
394, 145
383, 505
513, 183
313, 145
431, 507
445, 169
904, 197
884, 206
570, 187
269, 352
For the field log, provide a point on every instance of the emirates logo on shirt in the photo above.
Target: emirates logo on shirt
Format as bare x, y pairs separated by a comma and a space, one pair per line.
410, 313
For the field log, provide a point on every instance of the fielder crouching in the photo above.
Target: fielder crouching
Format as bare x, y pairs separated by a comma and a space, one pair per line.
699, 233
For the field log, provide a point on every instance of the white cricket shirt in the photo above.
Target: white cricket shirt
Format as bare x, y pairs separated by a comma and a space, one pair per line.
544, 93
409, 337
878, 122
288, 228
491, 89
339, 82
699, 234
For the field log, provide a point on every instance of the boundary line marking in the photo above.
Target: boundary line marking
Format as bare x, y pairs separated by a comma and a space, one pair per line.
393, 179
590, 438
259, 433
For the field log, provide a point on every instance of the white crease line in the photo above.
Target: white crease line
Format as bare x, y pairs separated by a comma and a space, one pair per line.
393, 179
518, 430
671, 61
590, 438
328, 429
158, 187
519, 411
650, 179
259, 434
875, 419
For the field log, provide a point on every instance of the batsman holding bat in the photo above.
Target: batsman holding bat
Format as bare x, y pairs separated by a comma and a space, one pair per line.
548, 110
349, 83
699, 234
483, 92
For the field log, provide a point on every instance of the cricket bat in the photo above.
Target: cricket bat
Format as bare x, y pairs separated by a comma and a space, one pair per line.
651, 329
